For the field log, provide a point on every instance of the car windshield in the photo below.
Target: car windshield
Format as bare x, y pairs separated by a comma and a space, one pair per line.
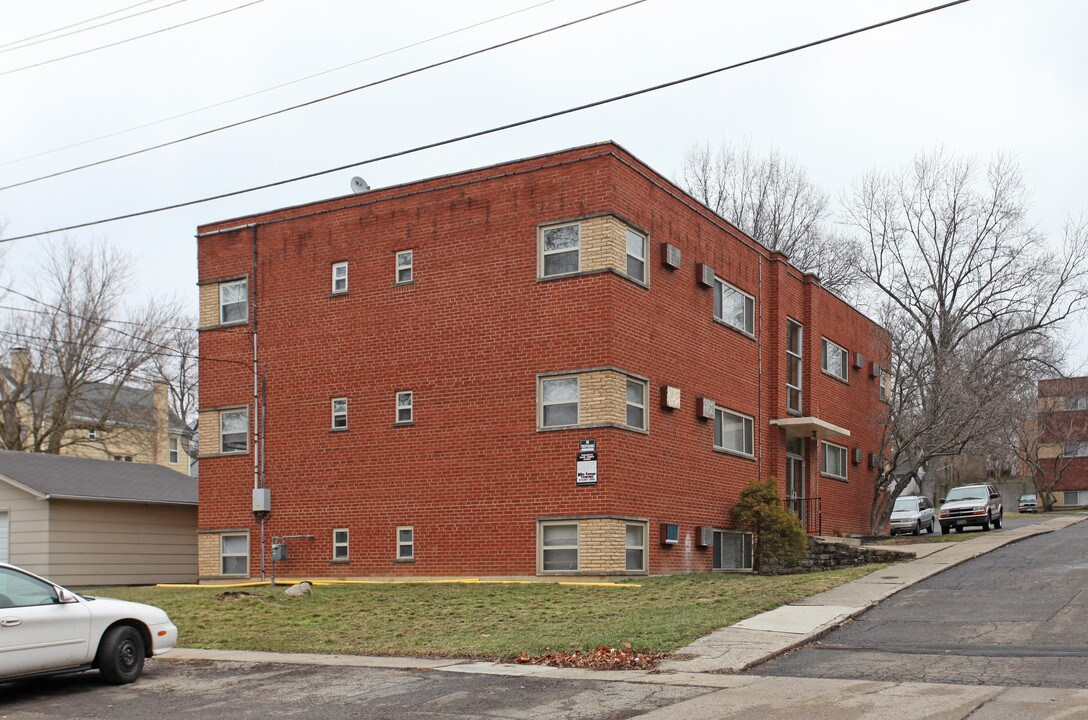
905, 505
967, 493
1027, 498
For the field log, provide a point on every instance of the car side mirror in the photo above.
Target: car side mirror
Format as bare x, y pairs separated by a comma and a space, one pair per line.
65, 596
995, 496
941, 501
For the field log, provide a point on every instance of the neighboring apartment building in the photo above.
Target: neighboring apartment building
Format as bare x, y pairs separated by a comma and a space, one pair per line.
1063, 447
560, 365
109, 422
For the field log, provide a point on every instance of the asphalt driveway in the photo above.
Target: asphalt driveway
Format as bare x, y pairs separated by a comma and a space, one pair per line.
1015, 617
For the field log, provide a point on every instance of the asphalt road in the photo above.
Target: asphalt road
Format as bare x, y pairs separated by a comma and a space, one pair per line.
1015, 617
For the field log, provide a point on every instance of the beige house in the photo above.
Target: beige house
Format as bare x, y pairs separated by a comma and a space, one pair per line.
109, 422
80, 521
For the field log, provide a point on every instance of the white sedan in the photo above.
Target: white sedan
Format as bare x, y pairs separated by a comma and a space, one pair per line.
45, 629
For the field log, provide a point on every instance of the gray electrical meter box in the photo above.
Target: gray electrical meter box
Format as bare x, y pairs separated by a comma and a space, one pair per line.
262, 500
279, 552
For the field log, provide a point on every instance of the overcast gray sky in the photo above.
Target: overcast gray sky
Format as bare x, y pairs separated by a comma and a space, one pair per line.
979, 78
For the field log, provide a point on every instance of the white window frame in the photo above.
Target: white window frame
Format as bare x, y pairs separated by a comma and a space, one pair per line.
628, 404
576, 546
882, 378
577, 401
641, 548
797, 357
746, 550
748, 424
223, 554
173, 450
720, 287
826, 347
244, 282
402, 407
407, 270
410, 543
840, 451
337, 545
342, 278
1076, 402
542, 253
631, 256
341, 415
1075, 448
92, 434
229, 411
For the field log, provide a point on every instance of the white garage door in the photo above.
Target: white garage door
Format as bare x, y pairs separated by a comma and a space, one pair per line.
3, 537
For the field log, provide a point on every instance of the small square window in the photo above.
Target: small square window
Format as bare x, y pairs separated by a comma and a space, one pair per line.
559, 547
834, 360
636, 404
404, 407
559, 250
636, 256
92, 434
234, 431
173, 454
340, 544
636, 547
734, 307
339, 413
558, 401
833, 462
233, 302
405, 543
339, 277
404, 267
234, 554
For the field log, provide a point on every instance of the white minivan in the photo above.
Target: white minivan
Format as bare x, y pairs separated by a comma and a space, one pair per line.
912, 513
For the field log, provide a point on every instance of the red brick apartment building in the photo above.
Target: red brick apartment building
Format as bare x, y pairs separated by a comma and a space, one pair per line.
1063, 447
560, 365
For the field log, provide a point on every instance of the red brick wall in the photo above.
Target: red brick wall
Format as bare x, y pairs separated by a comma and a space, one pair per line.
473, 474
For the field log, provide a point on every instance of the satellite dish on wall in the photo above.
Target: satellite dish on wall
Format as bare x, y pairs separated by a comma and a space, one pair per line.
358, 185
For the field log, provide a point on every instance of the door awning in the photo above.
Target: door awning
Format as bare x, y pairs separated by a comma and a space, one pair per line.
807, 426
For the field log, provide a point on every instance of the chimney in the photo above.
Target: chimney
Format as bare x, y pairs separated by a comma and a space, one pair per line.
20, 363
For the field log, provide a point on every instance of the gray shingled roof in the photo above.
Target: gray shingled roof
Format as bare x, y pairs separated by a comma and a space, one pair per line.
73, 477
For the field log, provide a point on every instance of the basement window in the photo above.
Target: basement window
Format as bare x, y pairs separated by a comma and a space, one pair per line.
559, 547
340, 544
234, 554
406, 543
635, 546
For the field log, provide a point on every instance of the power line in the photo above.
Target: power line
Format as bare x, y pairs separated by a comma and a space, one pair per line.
128, 40
315, 101
15, 308
6, 47
277, 87
498, 128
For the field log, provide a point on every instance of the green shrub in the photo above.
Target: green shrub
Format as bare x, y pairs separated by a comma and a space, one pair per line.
780, 540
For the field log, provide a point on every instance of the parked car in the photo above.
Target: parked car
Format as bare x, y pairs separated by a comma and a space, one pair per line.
971, 505
1028, 503
46, 629
912, 513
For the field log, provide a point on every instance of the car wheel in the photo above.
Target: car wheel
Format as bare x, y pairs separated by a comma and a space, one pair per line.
121, 655
997, 523
930, 528
917, 528
986, 522
944, 530
959, 528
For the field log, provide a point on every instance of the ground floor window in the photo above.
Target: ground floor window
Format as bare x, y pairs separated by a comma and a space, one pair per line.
732, 550
1074, 497
406, 543
234, 554
340, 544
636, 547
559, 547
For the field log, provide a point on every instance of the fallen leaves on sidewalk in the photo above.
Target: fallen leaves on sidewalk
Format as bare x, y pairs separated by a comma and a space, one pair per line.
602, 658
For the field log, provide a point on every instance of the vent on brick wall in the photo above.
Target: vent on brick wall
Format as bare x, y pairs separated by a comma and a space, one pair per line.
670, 397
859, 361
705, 407
704, 536
704, 275
857, 456
670, 256
670, 533
874, 369
874, 460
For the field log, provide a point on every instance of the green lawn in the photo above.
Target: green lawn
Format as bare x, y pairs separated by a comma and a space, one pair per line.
477, 620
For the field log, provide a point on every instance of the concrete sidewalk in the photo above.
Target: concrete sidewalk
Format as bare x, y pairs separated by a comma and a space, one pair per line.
728, 650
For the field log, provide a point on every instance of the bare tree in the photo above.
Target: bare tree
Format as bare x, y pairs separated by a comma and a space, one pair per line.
1047, 439
773, 200
76, 353
972, 296
179, 370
